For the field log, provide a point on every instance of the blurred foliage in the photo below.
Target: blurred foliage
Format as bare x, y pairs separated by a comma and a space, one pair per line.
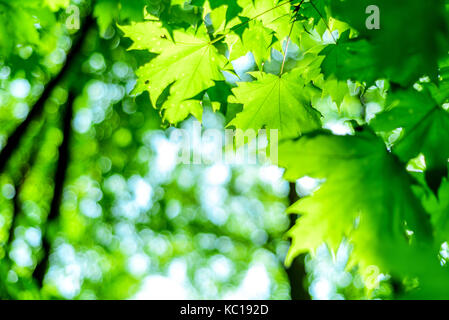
132, 223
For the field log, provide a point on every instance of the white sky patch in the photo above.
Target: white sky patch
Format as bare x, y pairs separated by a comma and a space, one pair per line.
372, 109
158, 287
322, 289
270, 174
166, 154
329, 38
241, 66
306, 185
178, 270
340, 128
255, 286
142, 191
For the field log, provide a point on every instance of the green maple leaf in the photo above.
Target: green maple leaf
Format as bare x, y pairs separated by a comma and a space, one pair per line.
313, 9
233, 9
336, 89
188, 64
275, 102
426, 131
350, 59
151, 36
256, 39
366, 198
223, 13
440, 89
108, 11
422, 32
311, 71
274, 14
438, 206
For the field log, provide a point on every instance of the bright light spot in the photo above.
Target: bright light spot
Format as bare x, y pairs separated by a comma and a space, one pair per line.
83, 120
97, 90
90, 208
339, 128
33, 237
371, 110
20, 88
138, 264
8, 191
306, 185
218, 174
120, 69
321, 289
21, 254
270, 174
21, 111
97, 62
142, 192
67, 280
116, 184
5, 72
58, 56
222, 267
329, 38
173, 208
166, 155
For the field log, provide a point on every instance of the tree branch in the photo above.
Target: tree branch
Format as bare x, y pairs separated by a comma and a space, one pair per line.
61, 170
16, 136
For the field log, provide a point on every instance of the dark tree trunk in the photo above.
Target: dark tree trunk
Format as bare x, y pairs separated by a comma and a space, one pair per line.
297, 271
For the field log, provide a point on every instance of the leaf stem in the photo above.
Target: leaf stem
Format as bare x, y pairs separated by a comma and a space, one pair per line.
288, 41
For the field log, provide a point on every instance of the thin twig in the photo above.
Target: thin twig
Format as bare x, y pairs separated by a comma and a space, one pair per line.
288, 40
